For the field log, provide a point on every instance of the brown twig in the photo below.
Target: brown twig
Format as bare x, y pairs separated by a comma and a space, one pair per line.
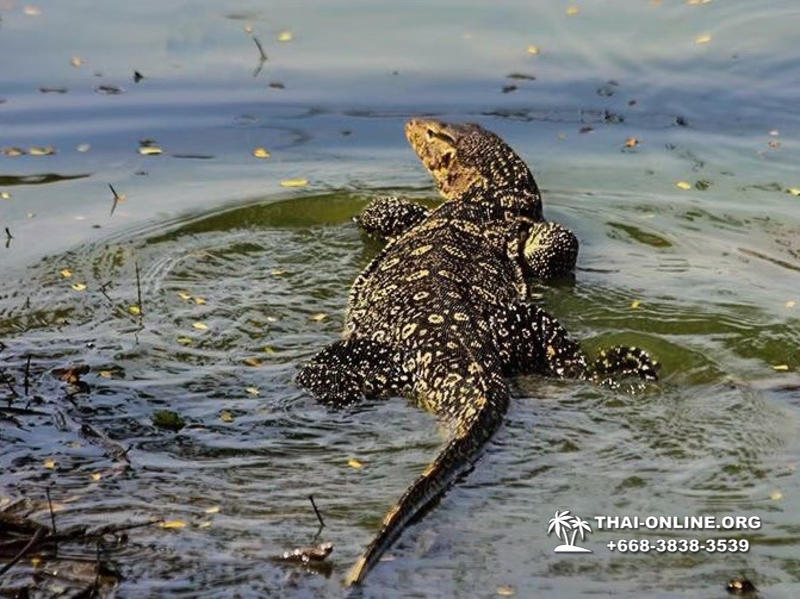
27, 374
23, 551
316, 511
138, 291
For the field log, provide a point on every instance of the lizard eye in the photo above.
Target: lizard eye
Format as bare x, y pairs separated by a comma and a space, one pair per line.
441, 136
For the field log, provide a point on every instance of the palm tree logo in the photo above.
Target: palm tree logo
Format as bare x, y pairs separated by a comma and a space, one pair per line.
562, 523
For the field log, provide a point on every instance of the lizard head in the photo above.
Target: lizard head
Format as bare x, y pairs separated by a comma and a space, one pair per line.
465, 155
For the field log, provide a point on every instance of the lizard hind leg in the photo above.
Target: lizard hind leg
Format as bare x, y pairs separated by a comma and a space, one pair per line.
348, 371
551, 250
622, 361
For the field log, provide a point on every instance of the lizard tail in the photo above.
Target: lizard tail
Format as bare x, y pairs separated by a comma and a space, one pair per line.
483, 416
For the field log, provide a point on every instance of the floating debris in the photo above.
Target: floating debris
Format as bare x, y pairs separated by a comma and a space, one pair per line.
76, 61
776, 495
506, 591
294, 182
254, 391
32, 11
212, 510
66, 273
95, 476
172, 524
260, 152
184, 295
507, 89
149, 147
276, 85
285, 36
12, 151
780, 367
50, 464
83, 147
790, 304
137, 76
522, 76
683, 185
200, 326
532, 49
4, 195
79, 287
702, 39
636, 304
586, 129
305, 555
631, 142
109, 90
53, 90
795, 191
702, 184
573, 10
740, 586
200, 301
318, 317
72, 374
135, 310
42, 151
354, 463
168, 419
252, 361
226, 416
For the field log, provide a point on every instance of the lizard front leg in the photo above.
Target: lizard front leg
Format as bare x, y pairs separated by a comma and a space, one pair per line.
389, 217
347, 371
550, 251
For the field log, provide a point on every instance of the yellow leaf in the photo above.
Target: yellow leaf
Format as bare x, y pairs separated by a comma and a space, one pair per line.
533, 49
35, 561
252, 361
66, 273
199, 301
636, 303
253, 390
184, 295
226, 416
795, 191
631, 142
683, 185
172, 524
261, 152
776, 495
319, 316
271, 319
134, 310
41, 151
76, 61
285, 36
248, 28
185, 340
780, 367
790, 304
200, 326
269, 350
95, 476
702, 39
5, 195
214, 509
79, 287
277, 272
354, 463
204, 524
294, 182
573, 10
150, 150
105, 373
505, 590
51, 464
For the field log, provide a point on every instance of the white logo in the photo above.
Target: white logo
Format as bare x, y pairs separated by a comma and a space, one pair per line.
562, 524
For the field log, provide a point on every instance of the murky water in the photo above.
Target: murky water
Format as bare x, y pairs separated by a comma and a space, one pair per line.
237, 272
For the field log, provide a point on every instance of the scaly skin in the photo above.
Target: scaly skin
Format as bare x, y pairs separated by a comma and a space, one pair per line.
440, 315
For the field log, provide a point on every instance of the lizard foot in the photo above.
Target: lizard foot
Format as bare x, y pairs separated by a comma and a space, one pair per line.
623, 361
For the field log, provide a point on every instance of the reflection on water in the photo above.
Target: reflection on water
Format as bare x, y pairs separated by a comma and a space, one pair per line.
241, 280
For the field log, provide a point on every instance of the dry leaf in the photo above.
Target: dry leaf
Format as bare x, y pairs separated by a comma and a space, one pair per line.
683, 185
5, 195
185, 340
294, 182
780, 367
204, 524
261, 153
51, 464
285, 36
184, 295
150, 150
253, 391
795, 191
505, 590
269, 350
200, 326
199, 301
533, 49
319, 316
790, 304
702, 39
95, 476
212, 510
636, 303
573, 10
776, 495
252, 361
277, 272
135, 310
172, 524
354, 463
105, 374
66, 273
631, 142
41, 151
76, 61
226, 416
79, 287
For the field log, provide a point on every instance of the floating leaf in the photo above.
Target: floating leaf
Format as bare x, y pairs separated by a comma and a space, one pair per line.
184, 295
214, 509
319, 316
109, 90
168, 419
790, 304
271, 319
79, 287
294, 182
41, 151
631, 142
261, 153
506, 591
795, 191
532, 49
199, 301
780, 367
269, 350
277, 272
150, 150
76, 61
200, 326
95, 476
683, 185
354, 463
702, 184
636, 303
83, 147
702, 39
248, 28
172, 524
776, 495
32, 11
226, 416
285, 36
253, 391
5, 195
105, 374
51, 464
13, 152
573, 10
252, 361
135, 310
185, 340
204, 524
